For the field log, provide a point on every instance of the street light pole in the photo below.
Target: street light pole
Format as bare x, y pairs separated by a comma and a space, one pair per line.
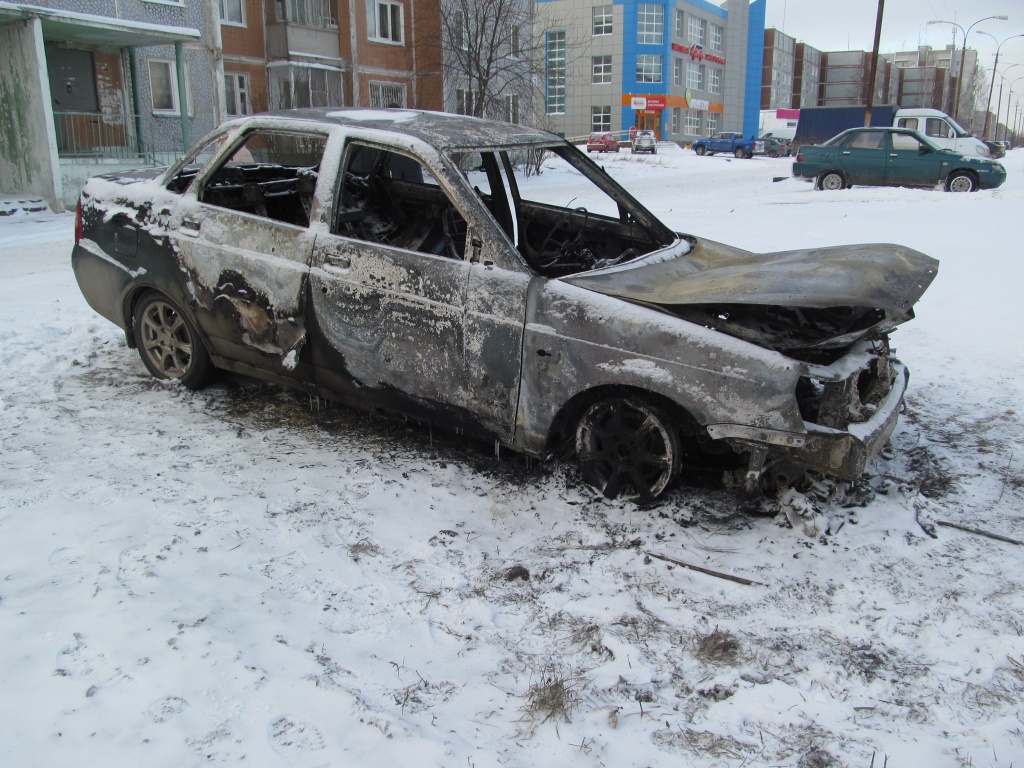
999, 102
988, 104
963, 52
1009, 98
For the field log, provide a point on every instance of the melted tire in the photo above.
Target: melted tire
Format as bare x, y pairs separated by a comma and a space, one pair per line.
627, 449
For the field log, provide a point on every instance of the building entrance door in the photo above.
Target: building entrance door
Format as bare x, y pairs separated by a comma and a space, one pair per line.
649, 120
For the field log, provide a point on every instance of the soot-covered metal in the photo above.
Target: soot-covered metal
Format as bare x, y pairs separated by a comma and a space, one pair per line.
414, 262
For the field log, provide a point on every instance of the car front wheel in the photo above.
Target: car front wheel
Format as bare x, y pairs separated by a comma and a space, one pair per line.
961, 181
831, 180
700, 150
169, 344
627, 449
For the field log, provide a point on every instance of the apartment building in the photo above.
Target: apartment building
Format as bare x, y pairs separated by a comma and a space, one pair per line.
98, 85
683, 69
778, 75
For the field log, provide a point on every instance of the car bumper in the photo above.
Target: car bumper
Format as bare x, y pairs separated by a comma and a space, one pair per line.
846, 453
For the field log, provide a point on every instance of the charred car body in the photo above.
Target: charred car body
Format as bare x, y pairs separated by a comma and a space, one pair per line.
396, 260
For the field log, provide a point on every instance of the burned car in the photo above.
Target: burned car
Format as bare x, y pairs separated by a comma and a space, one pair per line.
405, 261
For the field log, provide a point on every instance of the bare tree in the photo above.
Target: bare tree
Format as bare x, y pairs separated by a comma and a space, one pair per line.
490, 56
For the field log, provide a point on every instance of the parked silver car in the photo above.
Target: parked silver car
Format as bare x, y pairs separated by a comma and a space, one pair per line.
644, 141
403, 261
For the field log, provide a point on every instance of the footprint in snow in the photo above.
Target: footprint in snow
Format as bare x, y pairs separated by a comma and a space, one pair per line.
292, 736
79, 660
162, 710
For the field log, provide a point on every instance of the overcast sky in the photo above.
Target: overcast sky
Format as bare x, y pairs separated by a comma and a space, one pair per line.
839, 25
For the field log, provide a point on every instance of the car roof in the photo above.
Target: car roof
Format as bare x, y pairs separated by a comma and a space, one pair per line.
440, 129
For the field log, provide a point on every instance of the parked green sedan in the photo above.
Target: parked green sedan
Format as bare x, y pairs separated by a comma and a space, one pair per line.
894, 157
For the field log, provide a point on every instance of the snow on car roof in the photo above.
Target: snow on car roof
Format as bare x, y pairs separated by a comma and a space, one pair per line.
441, 129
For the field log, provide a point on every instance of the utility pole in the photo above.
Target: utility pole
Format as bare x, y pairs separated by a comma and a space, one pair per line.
874, 64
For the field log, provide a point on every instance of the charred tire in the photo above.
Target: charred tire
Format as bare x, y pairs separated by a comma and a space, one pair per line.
830, 180
961, 181
168, 342
740, 153
627, 449
700, 151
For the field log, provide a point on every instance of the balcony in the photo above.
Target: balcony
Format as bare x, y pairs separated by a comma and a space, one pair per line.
304, 27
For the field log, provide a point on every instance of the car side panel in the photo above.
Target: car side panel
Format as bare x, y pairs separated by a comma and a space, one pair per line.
246, 275
577, 340
863, 166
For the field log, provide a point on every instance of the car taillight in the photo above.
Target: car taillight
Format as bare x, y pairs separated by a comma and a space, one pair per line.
799, 158
78, 221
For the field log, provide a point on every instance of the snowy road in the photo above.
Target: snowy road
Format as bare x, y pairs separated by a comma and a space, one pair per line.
242, 576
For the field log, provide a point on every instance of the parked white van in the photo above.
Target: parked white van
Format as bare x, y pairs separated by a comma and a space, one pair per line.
941, 129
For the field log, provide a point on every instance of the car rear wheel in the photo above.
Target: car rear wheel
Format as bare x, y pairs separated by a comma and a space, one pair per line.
627, 449
169, 344
961, 181
773, 153
831, 180
740, 153
700, 150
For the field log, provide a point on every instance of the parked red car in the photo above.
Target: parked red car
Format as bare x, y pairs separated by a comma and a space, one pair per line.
602, 142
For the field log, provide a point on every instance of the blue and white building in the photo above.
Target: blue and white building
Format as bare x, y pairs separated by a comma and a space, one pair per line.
683, 68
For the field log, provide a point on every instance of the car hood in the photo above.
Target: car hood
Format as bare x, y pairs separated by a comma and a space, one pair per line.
874, 285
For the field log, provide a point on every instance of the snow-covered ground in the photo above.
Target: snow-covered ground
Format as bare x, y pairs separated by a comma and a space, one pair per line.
243, 576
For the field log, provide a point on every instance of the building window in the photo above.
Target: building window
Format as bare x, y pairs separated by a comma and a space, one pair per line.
385, 21
675, 120
294, 86
384, 94
464, 101
677, 72
716, 37
602, 20
232, 12
695, 76
692, 124
602, 70
600, 119
650, 24
512, 108
312, 13
514, 43
712, 122
163, 84
648, 68
463, 34
554, 72
236, 93
696, 29
680, 25
714, 80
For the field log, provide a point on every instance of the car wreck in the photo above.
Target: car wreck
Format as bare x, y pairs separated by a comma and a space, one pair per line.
405, 261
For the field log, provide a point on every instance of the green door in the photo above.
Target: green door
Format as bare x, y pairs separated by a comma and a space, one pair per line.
912, 163
863, 157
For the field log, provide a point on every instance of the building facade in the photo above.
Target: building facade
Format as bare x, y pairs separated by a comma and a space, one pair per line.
682, 69
98, 84
778, 75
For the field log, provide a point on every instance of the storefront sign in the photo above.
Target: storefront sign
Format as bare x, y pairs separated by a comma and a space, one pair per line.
697, 53
699, 104
647, 104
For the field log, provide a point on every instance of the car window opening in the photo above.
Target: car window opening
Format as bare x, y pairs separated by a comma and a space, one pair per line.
391, 198
272, 175
557, 214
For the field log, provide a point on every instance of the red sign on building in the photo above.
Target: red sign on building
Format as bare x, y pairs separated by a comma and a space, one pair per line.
697, 53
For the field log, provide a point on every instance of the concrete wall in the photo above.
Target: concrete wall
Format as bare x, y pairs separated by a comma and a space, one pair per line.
28, 144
